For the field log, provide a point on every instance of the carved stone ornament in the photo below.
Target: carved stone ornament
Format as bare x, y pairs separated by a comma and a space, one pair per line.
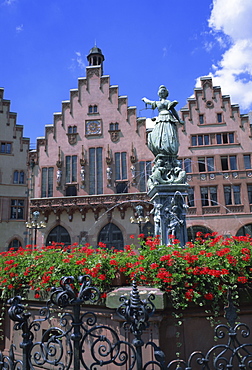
109, 176
114, 135
82, 175
133, 174
59, 176
209, 104
166, 170
93, 71
133, 157
72, 138
203, 177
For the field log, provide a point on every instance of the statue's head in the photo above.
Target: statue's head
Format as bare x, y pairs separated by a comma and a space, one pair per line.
163, 92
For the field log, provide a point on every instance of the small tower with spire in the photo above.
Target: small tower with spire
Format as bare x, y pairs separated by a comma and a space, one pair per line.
96, 58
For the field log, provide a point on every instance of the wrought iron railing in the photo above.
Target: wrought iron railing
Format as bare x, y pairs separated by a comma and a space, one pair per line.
80, 342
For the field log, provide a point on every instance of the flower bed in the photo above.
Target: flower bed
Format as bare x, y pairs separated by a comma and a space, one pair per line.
201, 272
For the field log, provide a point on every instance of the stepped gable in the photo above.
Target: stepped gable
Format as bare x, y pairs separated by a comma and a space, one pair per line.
93, 90
11, 128
209, 98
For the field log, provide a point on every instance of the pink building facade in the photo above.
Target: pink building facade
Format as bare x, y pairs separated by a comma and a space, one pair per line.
14, 152
215, 150
88, 173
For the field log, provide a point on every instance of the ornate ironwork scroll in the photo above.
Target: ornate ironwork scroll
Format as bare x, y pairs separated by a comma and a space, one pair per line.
223, 356
79, 342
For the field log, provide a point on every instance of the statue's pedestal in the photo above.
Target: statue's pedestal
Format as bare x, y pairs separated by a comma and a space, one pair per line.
170, 212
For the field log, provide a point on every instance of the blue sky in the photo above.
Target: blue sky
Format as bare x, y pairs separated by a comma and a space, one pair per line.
44, 47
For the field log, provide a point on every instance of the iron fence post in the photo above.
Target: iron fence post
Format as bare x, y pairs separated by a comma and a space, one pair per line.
76, 336
26, 346
136, 313
16, 313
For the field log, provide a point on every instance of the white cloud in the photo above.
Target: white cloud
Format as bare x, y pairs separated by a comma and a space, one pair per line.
230, 23
8, 2
77, 62
164, 51
20, 28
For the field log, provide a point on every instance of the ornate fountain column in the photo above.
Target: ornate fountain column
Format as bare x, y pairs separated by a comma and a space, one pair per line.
167, 187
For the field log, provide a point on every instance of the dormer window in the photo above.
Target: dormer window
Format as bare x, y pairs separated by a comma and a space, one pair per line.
72, 129
92, 109
114, 126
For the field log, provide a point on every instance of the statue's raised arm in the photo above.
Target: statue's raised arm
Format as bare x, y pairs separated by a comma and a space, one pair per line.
147, 101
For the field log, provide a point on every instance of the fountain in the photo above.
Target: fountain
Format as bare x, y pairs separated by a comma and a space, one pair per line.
167, 185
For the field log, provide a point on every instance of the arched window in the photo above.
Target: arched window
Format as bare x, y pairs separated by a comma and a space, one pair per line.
244, 230
112, 236
14, 244
193, 230
58, 235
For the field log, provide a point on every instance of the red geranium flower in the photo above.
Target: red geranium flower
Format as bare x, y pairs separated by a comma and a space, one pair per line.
102, 277
242, 279
209, 296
